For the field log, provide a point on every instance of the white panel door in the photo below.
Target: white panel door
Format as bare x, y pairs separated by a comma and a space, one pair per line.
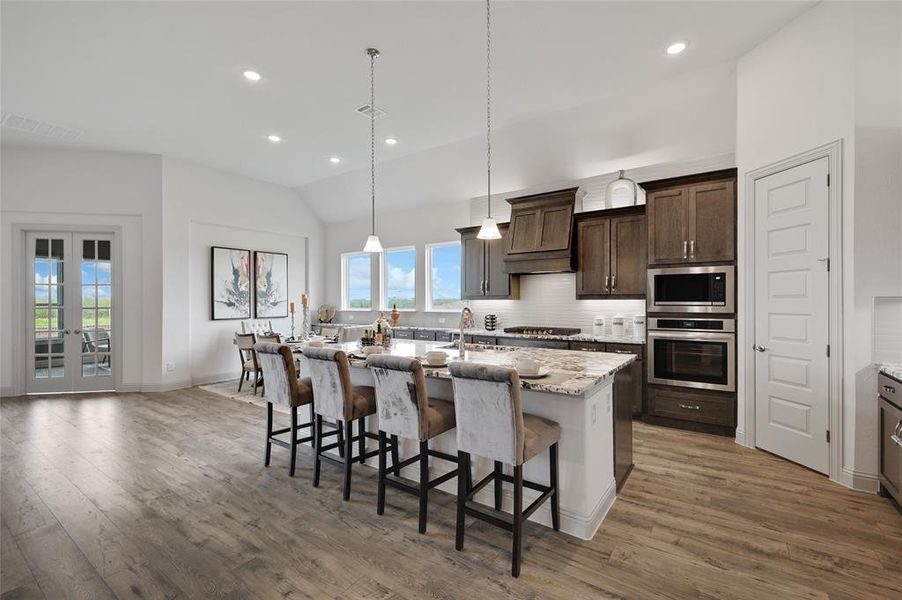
70, 312
791, 314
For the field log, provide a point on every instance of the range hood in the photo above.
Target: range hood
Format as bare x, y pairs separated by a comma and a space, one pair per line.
540, 239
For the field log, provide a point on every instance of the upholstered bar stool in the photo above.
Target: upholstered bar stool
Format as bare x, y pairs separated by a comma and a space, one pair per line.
286, 389
491, 423
336, 398
405, 410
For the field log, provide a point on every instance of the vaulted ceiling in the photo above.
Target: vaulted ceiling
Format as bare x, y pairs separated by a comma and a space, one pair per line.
165, 77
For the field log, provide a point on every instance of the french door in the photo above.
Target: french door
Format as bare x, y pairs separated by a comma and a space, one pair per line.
70, 312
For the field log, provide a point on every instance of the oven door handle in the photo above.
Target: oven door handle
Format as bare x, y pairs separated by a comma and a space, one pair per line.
705, 336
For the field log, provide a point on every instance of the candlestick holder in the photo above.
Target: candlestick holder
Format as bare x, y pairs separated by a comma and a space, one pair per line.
305, 326
292, 327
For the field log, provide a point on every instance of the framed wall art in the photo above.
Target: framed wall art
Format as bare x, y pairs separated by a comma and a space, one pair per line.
271, 283
230, 277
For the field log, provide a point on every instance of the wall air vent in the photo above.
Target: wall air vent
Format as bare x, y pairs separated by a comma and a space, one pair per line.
366, 109
42, 128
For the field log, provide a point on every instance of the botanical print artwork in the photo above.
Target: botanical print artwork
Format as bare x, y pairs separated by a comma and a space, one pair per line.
271, 278
231, 278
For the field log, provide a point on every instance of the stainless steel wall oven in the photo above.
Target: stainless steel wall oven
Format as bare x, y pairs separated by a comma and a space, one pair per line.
692, 352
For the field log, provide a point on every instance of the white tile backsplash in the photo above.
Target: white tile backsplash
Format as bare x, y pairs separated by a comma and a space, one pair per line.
550, 300
887, 330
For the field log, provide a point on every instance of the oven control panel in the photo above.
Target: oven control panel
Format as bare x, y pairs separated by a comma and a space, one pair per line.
672, 324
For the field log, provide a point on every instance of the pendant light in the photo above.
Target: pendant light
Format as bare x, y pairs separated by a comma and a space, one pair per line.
621, 192
373, 245
489, 229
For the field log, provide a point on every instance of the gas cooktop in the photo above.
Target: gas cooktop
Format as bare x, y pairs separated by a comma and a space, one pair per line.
543, 330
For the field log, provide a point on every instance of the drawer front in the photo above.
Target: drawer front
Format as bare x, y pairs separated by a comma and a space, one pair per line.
637, 349
712, 410
531, 343
424, 335
890, 432
589, 346
484, 339
403, 334
890, 389
443, 336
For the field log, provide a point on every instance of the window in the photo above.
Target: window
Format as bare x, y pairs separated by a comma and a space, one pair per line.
399, 278
443, 282
356, 281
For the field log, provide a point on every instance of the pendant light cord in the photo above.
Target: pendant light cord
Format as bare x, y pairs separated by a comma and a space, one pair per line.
488, 101
372, 52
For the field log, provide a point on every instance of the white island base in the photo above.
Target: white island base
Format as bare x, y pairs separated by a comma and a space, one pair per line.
585, 453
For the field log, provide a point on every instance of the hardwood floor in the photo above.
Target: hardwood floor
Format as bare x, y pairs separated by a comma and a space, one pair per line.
165, 496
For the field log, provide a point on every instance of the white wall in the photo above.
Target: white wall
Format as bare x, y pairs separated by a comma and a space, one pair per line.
204, 207
833, 74
44, 189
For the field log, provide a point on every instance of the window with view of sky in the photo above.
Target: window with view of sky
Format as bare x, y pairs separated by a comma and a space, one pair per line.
399, 279
358, 281
444, 278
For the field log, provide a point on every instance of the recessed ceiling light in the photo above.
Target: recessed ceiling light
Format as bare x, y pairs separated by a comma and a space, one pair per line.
251, 75
274, 138
391, 141
334, 160
676, 47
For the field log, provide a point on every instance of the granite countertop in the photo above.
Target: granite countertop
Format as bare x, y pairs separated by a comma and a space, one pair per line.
579, 337
892, 370
572, 372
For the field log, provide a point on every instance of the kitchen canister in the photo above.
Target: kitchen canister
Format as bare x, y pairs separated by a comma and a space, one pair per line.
618, 326
639, 326
598, 326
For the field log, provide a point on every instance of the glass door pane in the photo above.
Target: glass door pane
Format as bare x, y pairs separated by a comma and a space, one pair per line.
96, 308
48, 306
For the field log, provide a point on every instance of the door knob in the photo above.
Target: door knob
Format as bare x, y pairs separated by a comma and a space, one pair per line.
758, 348
77, 331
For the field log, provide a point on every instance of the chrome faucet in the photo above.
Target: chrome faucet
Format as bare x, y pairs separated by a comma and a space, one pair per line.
461, 347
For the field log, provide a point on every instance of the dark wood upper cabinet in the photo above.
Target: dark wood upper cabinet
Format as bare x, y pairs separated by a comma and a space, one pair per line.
482, 266
692, 219
711, 222
541, 233
611, 254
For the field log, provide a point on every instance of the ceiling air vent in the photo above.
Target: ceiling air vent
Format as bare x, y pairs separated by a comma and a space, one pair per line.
42, 128
366, 109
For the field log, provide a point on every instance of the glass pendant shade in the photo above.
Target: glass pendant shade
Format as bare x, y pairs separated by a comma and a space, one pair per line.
620, 192
373, 244
489, 230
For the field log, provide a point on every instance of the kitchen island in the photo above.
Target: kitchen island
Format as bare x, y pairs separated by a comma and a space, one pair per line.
577, 393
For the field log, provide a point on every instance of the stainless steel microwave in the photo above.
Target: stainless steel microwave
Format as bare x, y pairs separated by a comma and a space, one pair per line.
708, 289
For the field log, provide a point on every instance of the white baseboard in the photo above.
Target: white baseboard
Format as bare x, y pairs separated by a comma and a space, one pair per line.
166, 387
740, 438
858, 480
215, 378
8, 392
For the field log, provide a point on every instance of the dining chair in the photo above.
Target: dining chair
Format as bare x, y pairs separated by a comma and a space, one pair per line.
491, 423
248, 358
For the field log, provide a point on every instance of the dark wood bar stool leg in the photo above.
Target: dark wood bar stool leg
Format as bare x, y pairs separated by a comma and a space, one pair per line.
555, 502
499, 470
293, 432
463, 489
318, 445
268, 434
341, 439
424, 483
380, 497
349, 445
395, 461
361, 438
517, 554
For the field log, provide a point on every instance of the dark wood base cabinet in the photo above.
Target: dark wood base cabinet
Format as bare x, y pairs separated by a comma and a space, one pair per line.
696, 410
623, 433
890, 432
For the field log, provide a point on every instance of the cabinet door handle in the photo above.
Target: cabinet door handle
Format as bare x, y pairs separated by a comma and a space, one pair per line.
890, 389
691, 248
613, 282
895, 435
691, 406
607, 283
685, 249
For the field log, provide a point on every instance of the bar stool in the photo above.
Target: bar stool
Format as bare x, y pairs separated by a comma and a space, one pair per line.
491, 423
286, 389
336, 398
405, 410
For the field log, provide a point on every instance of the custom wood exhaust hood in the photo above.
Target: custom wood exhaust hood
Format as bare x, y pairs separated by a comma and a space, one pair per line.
541, 233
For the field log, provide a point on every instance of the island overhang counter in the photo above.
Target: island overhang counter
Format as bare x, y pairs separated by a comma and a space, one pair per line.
577, 394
